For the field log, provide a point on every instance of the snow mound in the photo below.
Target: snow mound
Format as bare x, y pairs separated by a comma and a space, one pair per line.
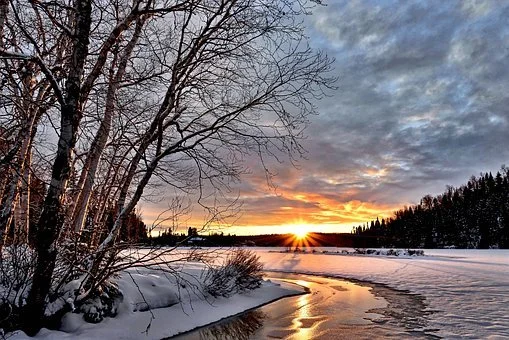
149, 289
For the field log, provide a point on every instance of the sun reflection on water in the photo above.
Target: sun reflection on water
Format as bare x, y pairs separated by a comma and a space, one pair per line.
303, 314
305, 323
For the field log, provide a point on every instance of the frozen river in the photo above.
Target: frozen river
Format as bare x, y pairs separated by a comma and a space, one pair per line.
332, 308
465, 292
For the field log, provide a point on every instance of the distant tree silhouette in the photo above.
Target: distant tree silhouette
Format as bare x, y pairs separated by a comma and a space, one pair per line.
474, 215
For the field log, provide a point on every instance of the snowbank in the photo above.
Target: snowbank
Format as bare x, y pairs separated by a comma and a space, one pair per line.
157, 304
356, 251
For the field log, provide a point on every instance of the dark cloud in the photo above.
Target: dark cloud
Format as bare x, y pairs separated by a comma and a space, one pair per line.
422, 102
422, 94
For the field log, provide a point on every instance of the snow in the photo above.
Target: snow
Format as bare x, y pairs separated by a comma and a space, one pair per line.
468, 290
162, 292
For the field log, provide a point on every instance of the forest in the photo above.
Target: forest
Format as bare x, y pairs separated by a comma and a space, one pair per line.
473, 215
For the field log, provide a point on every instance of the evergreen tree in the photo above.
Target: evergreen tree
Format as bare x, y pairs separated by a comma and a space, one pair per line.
475, 215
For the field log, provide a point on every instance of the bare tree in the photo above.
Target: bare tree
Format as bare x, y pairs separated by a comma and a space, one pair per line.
26, 97
191, 87
117, 71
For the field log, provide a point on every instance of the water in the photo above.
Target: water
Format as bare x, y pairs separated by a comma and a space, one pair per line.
333, 309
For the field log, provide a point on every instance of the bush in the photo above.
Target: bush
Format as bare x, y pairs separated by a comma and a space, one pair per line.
103, 304
393, 252
241, 271
16, 272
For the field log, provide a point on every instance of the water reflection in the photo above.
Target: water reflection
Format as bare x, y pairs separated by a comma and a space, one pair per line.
333, 307
236, 328
303, 315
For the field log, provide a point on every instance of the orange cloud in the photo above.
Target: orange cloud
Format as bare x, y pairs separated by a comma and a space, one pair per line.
323, 215
335, 206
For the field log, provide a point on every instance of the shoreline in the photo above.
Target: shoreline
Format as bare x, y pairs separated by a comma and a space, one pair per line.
304, 291
394, 315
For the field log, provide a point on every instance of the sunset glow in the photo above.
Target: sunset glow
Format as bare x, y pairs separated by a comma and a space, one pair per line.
300, 231
291, 213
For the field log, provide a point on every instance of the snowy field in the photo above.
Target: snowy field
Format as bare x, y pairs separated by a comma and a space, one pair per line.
468, 290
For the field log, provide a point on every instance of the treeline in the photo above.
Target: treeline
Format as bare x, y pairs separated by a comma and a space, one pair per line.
170, 238
474, 215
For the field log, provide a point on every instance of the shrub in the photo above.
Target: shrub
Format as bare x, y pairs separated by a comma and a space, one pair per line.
393, 252
241, 271
103, 304
16, 272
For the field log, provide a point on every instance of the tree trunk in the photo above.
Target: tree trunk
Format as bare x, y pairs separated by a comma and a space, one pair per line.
4, 8
51, 220
9, 205
17, 197
4, 179
95, 262
23, 214
87, 177
12, 197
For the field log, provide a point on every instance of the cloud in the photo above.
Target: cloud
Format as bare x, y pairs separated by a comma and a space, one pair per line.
421, 93
421, 103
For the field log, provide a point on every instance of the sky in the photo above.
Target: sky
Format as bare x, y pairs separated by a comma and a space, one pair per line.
422, 102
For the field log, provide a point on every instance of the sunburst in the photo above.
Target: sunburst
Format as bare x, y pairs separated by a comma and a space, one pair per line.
300, 232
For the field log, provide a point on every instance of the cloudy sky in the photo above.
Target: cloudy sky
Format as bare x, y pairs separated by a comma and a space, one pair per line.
422, 102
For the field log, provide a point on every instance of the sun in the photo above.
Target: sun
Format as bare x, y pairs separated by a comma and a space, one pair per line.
300, 231
301, 236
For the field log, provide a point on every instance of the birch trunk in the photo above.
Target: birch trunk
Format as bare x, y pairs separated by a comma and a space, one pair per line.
20, 180
9, 205
23, 212
88, 173
4, 9
12, 198
50, 222
95, 262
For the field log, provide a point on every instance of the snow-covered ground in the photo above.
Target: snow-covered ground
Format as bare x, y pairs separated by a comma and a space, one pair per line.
468, 290
167, 317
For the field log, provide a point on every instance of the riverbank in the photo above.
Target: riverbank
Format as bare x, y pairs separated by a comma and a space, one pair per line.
157, 305
356, 310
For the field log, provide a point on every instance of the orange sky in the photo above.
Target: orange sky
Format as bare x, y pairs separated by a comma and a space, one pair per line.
289, 207
329, 217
